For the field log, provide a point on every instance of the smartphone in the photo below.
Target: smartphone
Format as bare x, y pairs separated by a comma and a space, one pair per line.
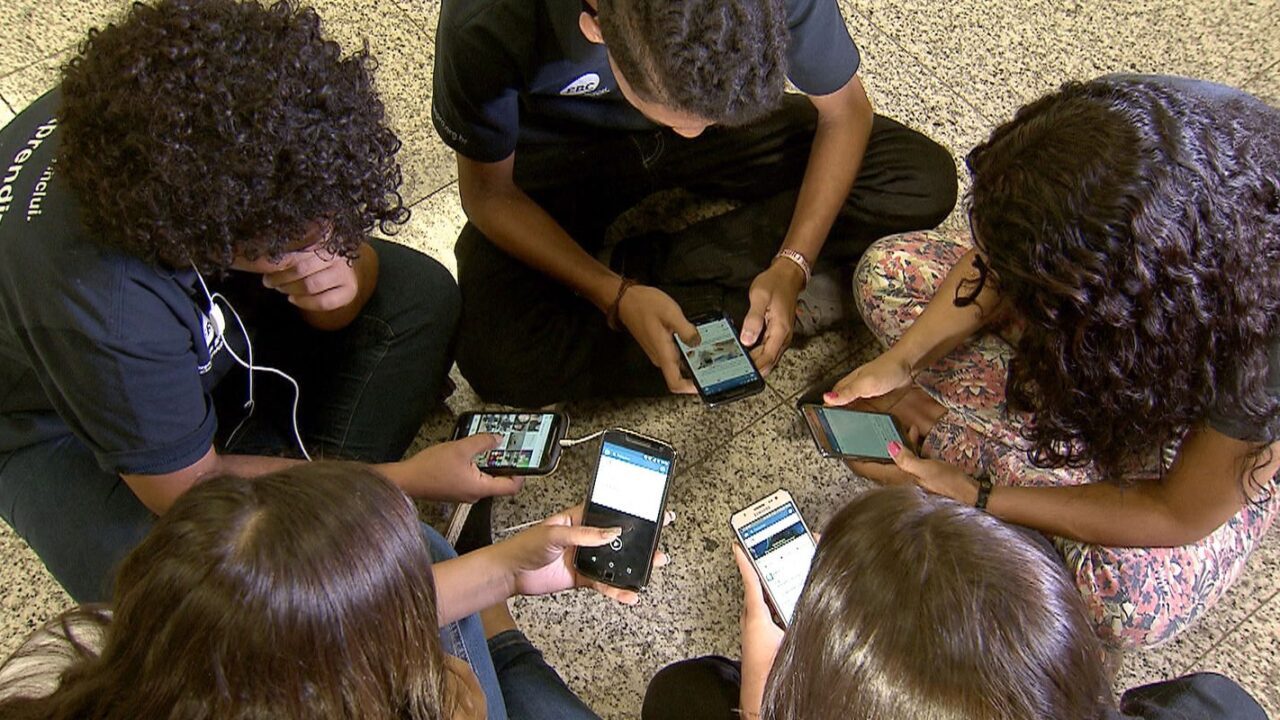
629, 490
530, 440
851, 433
780, 548
721, 368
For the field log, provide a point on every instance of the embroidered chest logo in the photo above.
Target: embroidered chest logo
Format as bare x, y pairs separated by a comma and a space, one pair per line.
588, 84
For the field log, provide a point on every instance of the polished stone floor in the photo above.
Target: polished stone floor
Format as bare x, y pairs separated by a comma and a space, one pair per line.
952, 69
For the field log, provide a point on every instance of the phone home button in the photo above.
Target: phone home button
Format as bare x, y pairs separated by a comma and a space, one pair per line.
616, 544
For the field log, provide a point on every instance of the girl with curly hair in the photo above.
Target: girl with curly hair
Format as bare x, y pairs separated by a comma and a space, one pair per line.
187, 285
309, 593
1102, 362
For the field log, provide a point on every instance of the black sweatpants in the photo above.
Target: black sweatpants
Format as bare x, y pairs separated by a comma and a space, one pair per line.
526, 340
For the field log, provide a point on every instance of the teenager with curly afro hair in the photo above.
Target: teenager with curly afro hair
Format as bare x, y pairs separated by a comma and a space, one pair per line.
564, 114
1125, 397
207, 174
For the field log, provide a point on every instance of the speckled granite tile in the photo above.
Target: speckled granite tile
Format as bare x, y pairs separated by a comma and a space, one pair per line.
433, 226
1250, 655
406, 55
607, 653
819, 356
6, 112
1266, 85
29, 596
904, 89
35, 29
22, 87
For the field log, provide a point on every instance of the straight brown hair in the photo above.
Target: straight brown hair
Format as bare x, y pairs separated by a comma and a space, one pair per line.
919, 608
300, 594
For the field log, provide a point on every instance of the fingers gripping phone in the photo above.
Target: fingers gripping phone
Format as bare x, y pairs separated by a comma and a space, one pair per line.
780, 548
530, 442
721, 368
629, 490
851, 434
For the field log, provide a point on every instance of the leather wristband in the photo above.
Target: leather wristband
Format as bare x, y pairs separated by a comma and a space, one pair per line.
799, 259
611, 317
984, 492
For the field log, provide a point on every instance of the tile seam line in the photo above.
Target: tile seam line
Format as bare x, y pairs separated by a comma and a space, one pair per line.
1275, 66
431, 194
410, 16
1275, 596
8, 105
39, 60
686, 469
928, 70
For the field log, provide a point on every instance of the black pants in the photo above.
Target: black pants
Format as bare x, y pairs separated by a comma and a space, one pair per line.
707, 688
366, 390
527, 340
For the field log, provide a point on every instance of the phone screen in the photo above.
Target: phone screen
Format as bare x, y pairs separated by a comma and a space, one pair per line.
858, 434
718, 363
629, 492
525, 437
782, 550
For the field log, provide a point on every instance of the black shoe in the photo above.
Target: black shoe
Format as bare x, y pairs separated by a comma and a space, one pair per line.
477, 531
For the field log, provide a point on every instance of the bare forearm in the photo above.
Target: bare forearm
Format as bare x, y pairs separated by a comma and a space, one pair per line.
158, 492
518, 225
839, 144
943, 326
471, 583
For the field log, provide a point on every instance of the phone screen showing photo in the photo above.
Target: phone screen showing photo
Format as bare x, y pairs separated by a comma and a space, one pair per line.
629, 490
858, 434
782, 551
524, 438
718, 363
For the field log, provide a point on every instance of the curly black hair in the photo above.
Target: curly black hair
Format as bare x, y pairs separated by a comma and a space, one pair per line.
722, 60
1135, 228
198, 130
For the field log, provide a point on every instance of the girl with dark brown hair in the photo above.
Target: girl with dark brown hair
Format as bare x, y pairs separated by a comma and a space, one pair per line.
305, 593
1101, 360
919, 608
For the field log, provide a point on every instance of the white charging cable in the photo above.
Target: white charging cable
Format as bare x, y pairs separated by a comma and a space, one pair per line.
248, 365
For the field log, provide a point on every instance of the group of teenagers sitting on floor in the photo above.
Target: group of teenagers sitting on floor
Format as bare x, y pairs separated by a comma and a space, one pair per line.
193, 307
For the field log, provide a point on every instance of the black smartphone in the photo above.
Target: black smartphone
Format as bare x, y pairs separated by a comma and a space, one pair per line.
530, 440
780, 548
721, 368
851, 434
629, 490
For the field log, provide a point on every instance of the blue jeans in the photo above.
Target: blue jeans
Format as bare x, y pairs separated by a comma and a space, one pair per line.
365, 392
517, 682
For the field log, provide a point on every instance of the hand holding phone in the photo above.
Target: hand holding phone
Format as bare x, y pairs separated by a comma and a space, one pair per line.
629, 490
529, 442
652, 316
542, 564
447, 471
721, 368
779, 547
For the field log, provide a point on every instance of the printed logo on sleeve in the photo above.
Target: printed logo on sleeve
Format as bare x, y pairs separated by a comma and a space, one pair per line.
588, 84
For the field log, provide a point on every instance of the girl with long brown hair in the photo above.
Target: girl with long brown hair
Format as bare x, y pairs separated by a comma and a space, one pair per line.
305, 593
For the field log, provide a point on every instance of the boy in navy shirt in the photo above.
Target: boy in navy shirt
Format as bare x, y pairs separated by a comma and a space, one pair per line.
565, 113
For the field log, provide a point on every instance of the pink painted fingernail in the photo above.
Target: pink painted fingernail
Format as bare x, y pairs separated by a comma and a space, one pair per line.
894, 448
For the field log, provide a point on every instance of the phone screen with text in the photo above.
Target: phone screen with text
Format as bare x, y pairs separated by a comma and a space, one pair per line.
718, 363
782, 551
629, 492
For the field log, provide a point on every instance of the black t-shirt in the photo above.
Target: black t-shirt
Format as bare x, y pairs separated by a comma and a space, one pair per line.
521, 71
92, 341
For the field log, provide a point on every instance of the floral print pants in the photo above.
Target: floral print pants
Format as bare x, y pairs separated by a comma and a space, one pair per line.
1138, 597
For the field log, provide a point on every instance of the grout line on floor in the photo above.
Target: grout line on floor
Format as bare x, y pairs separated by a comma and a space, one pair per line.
928, 70
431, 194
39, 60
1187, 667
410, 17
9, 105
1273, 67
